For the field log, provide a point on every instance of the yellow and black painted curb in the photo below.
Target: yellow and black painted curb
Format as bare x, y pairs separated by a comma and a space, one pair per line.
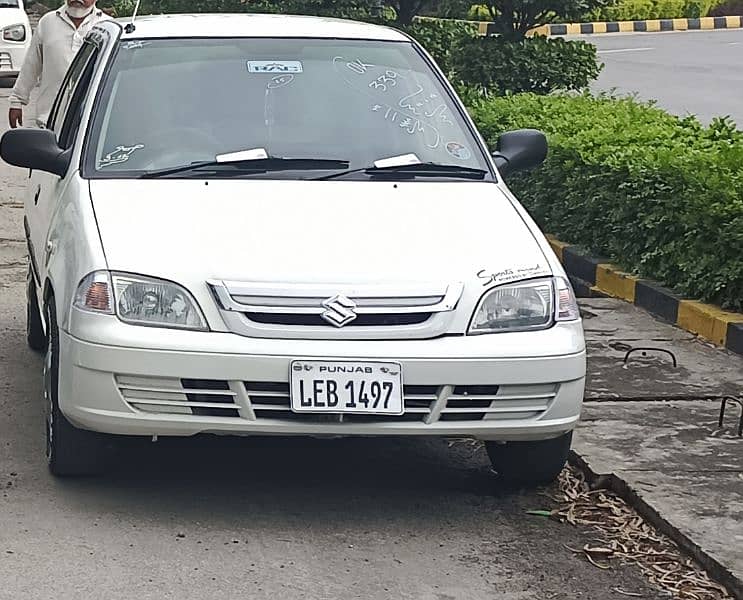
597, 277
648, 25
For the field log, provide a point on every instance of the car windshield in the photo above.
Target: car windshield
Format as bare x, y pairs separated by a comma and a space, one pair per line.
9, 4
170, 103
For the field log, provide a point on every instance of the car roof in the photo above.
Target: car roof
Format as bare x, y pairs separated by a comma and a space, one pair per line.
255, 25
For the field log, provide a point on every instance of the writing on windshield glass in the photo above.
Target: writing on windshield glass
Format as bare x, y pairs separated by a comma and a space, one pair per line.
397, 98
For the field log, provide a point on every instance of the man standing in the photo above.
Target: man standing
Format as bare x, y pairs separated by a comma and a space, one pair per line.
58, 37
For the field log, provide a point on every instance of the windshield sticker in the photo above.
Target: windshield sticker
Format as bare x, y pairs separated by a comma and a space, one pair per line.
514, 274
458, 150
120, 155
280, 81
274, 66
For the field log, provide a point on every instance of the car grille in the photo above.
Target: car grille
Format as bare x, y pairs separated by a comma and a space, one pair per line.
314, 311
263, 400
204, 397
375, 320
6, 62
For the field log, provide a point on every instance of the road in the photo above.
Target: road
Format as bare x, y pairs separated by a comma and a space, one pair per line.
263, 518
696, 72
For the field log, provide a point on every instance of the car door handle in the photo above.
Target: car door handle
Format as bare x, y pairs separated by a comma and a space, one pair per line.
36, 195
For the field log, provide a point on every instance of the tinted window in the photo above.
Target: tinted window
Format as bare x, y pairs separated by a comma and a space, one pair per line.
173, 102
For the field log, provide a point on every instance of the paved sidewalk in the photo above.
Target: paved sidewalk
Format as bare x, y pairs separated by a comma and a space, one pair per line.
655, 426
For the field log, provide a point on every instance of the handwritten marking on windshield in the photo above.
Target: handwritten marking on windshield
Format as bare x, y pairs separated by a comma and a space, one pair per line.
132, 44
280, 81
356, 65
381, 82
120, 155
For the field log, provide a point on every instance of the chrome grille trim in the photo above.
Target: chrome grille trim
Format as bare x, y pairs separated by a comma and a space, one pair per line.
300, 299
6, 62
300, 311
258, 400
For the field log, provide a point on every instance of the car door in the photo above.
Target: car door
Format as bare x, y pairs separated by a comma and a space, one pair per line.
46, 189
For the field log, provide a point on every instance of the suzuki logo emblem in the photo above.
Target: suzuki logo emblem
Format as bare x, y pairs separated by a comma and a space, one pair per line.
340, 310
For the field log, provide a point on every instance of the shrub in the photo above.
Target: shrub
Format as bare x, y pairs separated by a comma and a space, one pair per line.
514, 18
727, 8
478, 12
660, 195
441, 38
359, 9
539, 64
637, 10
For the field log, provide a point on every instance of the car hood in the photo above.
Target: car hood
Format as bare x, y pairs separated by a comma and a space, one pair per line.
13, 16
190, 231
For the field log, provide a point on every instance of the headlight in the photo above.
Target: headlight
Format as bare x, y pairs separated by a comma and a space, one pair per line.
14, 33
524, 306
139, 300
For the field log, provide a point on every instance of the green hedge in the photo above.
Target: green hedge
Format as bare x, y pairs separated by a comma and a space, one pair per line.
441, 38
538, 64
660, 195
637, 10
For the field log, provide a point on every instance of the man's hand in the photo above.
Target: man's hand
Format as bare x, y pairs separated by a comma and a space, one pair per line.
15, 117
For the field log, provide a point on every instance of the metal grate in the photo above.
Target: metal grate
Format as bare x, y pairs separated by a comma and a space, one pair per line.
271, 401
371, 320
203, 397
6, 62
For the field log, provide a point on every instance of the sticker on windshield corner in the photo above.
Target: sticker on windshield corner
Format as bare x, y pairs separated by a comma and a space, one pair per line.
274, 66
459, 151
120, 155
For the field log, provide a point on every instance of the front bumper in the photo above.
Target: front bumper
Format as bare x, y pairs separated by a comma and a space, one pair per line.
142, 391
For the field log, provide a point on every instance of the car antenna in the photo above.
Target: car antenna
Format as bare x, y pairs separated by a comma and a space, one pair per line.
130, 25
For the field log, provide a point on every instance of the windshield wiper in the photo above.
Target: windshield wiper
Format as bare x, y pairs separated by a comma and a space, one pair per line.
252, 165
428, 169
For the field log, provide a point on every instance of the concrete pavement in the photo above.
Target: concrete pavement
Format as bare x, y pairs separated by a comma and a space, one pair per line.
263, 518
655, 426
697, 72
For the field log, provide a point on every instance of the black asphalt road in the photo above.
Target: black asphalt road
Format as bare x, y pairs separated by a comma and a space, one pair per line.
698, 72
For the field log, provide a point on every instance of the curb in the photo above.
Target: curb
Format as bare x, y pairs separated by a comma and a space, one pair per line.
621, 488
597, 277
647, 25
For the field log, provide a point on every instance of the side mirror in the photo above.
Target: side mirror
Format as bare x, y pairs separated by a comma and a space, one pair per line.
34, 149
520, 150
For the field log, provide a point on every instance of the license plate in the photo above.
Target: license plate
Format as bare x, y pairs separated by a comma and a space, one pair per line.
346, 387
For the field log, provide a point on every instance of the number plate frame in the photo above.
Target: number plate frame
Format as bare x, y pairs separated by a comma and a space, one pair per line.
303, 373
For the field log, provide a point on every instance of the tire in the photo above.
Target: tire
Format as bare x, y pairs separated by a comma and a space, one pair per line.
69, 451
530, 463
35, 335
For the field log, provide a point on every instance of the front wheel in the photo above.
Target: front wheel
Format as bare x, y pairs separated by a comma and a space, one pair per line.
530, 463
69, 451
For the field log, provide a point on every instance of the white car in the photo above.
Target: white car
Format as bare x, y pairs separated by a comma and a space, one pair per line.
15, 38
272, 225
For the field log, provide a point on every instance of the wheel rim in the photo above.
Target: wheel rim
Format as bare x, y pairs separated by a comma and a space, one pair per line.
48, 400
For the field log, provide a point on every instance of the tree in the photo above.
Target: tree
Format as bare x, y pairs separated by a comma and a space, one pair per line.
406, 10
514, 18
